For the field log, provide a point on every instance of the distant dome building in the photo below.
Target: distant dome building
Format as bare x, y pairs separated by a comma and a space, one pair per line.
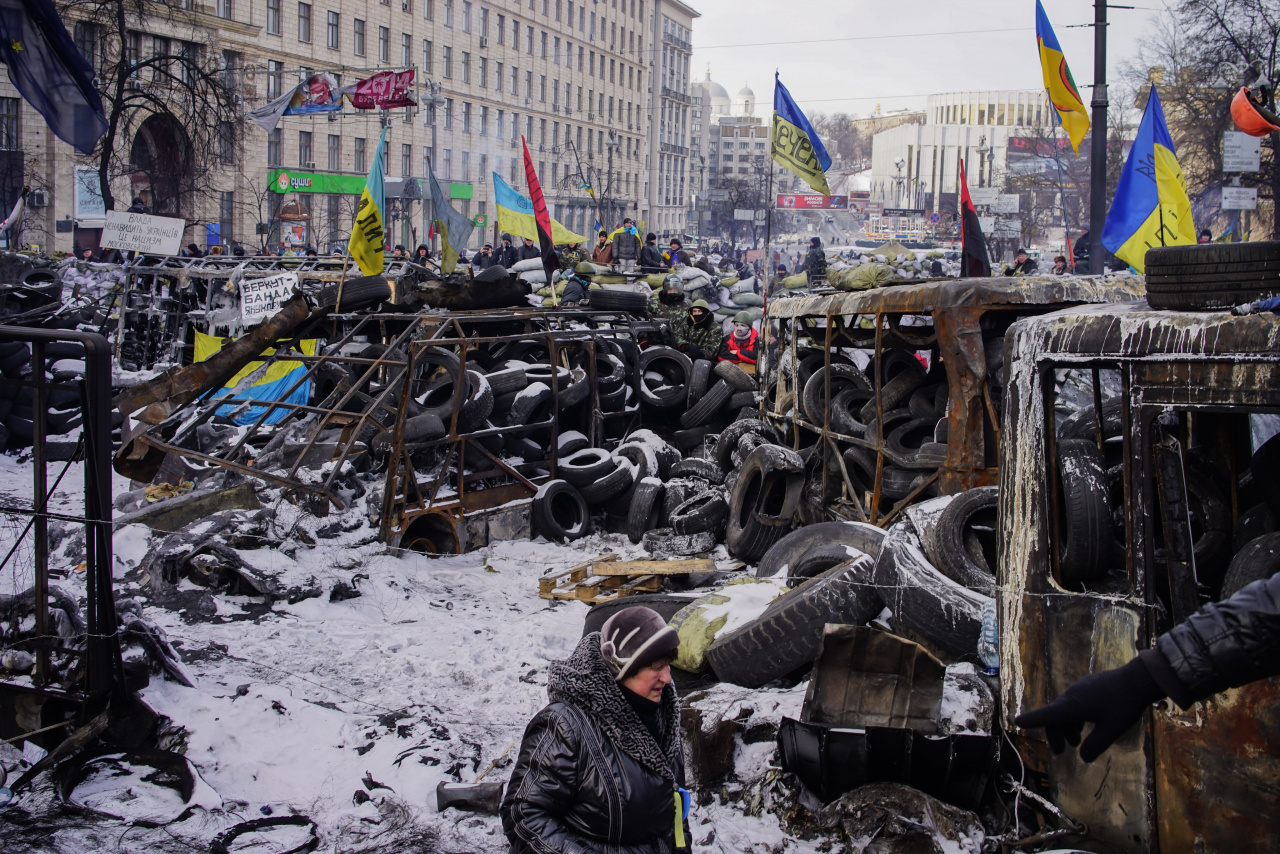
745, 103
715, 97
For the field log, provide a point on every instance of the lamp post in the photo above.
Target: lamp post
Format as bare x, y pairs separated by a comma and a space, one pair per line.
433, 99
982, 156
898, 181
613, 144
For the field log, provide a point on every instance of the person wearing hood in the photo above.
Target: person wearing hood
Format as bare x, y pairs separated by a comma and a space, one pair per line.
815, 262
699, 336
529, 250
670, 303
422, 255
192, 250
508, 255
601, 766
740, 345
603, 251
626, 244
651, 260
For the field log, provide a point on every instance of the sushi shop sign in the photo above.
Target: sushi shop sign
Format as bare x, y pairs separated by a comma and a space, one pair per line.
292, 181
261, 298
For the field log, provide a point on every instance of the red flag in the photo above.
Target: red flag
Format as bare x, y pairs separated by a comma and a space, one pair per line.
973, 246
550, 261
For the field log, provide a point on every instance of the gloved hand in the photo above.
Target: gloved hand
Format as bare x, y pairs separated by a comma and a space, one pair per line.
1112, 701
693, 351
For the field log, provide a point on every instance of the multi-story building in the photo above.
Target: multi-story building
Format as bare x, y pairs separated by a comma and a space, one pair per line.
973, 127
666, 204
570, 76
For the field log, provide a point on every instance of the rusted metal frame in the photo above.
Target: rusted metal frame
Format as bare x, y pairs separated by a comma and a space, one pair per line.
875, 491
1049, 393
461, 387
443, 468
553, 356
828, 444
1097, 407
40, 493
503, 466
848, 482
1136, 587
992, 414
597, 417
908, 499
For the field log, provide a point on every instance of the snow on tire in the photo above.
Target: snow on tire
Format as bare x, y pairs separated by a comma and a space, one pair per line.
705, 511
646, 509
559, 512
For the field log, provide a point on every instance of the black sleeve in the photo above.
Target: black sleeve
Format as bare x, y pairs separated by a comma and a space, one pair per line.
1223, 645
544, 783
724, 354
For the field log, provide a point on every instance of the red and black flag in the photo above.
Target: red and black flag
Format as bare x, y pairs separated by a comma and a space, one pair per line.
973, 246
550, 261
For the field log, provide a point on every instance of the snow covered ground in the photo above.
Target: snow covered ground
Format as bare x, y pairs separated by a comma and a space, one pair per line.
428, 676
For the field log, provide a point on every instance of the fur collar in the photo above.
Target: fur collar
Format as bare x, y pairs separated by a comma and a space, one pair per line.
585, 681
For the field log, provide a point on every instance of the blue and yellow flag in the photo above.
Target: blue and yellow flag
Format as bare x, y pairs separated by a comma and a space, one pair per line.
454, 228
1151, 207
515, 215
365, 245
795, 142
1061, 88
273, 385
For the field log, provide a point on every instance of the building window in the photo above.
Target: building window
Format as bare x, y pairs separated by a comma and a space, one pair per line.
406, 160
429, 9
448, 113
528, 85
273, 148
542, 132
406, 6
528, 39
542, 88
227, 142
227, 67
544, 45
332, 39
335, 153
484, 120
224, 9
333, 213
484, 170
515, 80
406, 49
466, 16
384, 46
304, 149
226, 216
275, 75
304, 22
358, 37
484, 72
447, 72
466, 67
466, 117
426, 57
273, 17
466, 166
448, 13
360, 165
502, 29
446, 165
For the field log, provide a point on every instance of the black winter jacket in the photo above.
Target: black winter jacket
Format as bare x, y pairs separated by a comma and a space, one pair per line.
651, 260
508, 255
626, 246
590, 777
527, 252
1223, 645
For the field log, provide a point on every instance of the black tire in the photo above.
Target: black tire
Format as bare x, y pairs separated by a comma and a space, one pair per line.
818, 560
613, 401
674, 367
708, 406
924, 402
746, 445
862, 536
948, 544
695, 467
893, 418
787, 635
738, 379
705, 511
1253, 523
560, 513
507, 381
666, 604
764, 501
741, 400
906, 439
1210, 525
896, 483
610, 300
574, 393
896, 391
611, 372
357, 293
610, 486
646, 509
642, 456
1087, 528
1080, 424
666, 542
570, 443
423, 428
947, 616
687, 440
496, 273
527, 404
478, 406
1212, 276
699, 381
813, 398
1257, 561
437, 370
677, 491
586, 466
846, 408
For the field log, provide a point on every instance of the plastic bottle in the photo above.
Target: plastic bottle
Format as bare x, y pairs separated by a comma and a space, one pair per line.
989, 640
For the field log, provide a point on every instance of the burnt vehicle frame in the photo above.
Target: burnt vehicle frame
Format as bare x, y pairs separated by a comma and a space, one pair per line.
955, 318
1189, 384
424, 511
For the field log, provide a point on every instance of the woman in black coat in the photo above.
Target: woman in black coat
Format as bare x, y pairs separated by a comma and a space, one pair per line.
600, 768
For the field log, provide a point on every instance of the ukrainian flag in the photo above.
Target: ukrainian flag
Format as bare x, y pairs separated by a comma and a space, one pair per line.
795, 142
273, 385
1061, 89
1151, 207
515, 215
366, 241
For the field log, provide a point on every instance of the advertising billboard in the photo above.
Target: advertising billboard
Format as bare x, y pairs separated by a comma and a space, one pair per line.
813, 202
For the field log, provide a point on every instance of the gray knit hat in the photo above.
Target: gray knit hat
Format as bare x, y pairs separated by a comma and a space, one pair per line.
634, 638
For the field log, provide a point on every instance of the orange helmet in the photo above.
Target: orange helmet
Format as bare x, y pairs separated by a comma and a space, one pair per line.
1251, 116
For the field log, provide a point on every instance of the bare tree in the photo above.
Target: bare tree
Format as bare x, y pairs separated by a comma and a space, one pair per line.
172, 109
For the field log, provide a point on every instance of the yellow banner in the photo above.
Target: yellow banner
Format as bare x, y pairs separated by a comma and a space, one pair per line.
208, 345
365, 245
792, 149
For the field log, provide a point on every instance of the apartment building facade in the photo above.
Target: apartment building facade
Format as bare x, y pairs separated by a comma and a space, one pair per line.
571, 77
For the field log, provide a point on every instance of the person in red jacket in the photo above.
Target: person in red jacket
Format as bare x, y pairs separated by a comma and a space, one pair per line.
740, 344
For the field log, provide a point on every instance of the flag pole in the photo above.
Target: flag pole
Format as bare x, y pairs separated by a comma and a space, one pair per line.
1062, 193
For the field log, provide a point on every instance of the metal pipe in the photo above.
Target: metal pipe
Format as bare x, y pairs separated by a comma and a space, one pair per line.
1098, 144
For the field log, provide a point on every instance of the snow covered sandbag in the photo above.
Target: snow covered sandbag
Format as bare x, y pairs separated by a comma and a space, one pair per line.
587, 268
527, 265
609, 280
688, 273
744, 286
726, 311
702, 281
729, 281
534, 277
734, 605
799, 280
748, 300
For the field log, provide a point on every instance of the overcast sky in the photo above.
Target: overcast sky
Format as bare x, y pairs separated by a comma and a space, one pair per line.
879, 64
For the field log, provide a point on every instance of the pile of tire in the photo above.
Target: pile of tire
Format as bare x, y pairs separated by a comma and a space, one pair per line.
64, 367
694, 398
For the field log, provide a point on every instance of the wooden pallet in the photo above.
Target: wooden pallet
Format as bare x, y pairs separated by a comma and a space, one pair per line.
587, 582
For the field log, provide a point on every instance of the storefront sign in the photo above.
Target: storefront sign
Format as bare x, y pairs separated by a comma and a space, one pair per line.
135, 232
813, 201
261, 298
292, 181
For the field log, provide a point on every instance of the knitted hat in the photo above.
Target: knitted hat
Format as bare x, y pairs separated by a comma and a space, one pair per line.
742, 317
634, 638
814, 241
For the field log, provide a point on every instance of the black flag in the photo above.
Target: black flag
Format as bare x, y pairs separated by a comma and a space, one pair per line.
973, 246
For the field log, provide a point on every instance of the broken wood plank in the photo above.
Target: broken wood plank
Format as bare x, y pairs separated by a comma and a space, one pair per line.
552, 580
656, 567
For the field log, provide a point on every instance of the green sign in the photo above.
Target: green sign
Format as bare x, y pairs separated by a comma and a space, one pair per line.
481, 220
459, 190
293, 181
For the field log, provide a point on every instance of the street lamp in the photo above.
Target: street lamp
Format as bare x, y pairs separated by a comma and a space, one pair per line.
899, 180
433, 99
982, 156
613, 144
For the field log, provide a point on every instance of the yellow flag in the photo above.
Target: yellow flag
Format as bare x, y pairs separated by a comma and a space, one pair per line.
365, 245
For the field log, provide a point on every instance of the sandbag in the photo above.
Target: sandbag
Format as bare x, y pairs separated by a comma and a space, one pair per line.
736, 604
655, 280
746, 300
609, 280
534, 277
526, 265
799, 280
587, 268
728, 280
